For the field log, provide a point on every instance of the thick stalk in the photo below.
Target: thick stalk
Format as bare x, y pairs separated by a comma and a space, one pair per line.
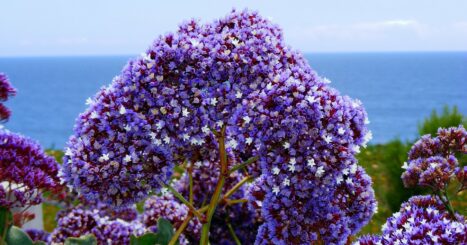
447, 204
190, 176
184, 201
180, 229
236, 187
235, 201
218, 191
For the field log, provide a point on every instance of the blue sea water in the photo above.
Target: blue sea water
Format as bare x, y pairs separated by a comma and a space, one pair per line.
398, 90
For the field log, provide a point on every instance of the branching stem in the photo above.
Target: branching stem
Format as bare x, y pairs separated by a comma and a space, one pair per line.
218, 191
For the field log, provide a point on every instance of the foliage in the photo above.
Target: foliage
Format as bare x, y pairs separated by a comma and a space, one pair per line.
165, 232
448, 117
83, 240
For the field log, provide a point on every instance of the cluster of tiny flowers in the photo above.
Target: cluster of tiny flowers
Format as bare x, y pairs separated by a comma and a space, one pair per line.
111, 158
167, 207
421, 220
432, 161
117, 231
127, 213
6, 91
25, 171
74, 223
37, 235
77, 222
235, 73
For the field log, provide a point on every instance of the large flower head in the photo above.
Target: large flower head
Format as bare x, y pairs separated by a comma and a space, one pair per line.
6, 91
432, 161
236, 74
25, 171
421, 220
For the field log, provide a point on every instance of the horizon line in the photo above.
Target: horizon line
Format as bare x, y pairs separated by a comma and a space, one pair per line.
305, 53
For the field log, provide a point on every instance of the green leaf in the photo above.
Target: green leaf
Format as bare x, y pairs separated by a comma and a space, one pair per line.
83, 240
146, 239
165, 232
16, 236
5, 215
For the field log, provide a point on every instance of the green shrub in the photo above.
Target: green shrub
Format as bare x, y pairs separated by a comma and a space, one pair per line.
449, 117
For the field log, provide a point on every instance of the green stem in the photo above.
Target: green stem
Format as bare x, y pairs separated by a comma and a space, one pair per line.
243, 164
218, 191
180, 229
235, 201
232, 233
450, 208
190, 176
236, 187
187, 203
447, 204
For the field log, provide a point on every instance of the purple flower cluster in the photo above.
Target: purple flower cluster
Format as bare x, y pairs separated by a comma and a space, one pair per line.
421, 220
235, 73
6, 91
432, 161
78, 222
117, 231
75, 223
111, 157
167, 207
127, 213
25, 171
37, 235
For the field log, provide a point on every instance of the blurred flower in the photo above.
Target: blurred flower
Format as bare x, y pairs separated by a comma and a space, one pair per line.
434, 172
6, 91
38, 235
75, 223
117, 231
127, 213
421, 220
25, 171
432, 161
167, 207
78, 222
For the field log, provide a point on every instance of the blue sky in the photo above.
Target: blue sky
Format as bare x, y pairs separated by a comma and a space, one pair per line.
99, 27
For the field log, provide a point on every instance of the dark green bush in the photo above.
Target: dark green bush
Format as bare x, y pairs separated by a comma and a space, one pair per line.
448, 117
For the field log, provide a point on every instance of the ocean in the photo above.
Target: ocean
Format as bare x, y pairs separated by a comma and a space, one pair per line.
398, 90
